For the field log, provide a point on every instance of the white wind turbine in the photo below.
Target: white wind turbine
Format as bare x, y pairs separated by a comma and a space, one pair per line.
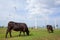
56, 26
36, 23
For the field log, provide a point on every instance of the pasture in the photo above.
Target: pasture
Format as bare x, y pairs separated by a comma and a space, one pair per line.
35, 34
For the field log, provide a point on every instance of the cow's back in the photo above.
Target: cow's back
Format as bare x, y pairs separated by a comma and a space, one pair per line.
17, 26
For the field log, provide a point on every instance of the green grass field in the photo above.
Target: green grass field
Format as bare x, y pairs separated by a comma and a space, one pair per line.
35, 34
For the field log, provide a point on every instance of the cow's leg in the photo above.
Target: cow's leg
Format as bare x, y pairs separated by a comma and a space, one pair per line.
10, 33
49, 30
7, 33
24, 33
20, 33
52, 30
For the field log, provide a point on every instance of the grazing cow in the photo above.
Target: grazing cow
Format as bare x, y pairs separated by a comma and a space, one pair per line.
50, 28
22, 27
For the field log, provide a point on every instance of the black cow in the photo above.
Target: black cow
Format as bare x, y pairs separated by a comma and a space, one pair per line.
22, 27
50, 28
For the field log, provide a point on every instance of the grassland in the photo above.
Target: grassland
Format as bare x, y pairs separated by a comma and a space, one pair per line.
35, 34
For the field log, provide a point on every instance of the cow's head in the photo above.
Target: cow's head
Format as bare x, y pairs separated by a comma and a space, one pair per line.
27, 32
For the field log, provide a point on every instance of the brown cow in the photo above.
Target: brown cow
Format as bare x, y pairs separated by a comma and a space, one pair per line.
50, 28
22, 27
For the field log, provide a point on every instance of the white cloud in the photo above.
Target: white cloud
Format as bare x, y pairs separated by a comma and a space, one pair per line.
40, 9
43, 8
36, 8
7, 11
57, 2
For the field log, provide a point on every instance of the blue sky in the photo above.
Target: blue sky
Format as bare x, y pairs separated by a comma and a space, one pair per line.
44, 11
